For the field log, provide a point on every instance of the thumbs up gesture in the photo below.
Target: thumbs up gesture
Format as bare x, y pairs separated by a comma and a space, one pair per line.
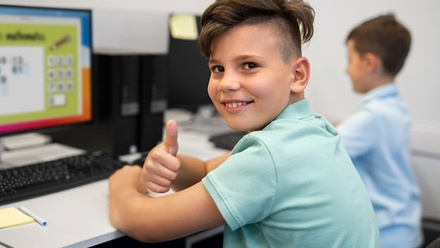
161, 165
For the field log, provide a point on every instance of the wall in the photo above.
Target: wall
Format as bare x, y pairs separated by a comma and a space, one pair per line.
329, 89
188, 6
129, 26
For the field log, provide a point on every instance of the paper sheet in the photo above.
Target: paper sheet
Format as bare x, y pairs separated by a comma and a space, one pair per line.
13, 217
183, 26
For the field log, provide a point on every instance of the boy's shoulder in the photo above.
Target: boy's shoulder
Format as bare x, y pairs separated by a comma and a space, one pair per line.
294, 131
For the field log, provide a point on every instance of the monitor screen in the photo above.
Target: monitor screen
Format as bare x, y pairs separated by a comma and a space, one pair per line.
45, 67
188, 75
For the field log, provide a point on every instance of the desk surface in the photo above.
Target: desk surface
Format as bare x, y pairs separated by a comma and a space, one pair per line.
79, 217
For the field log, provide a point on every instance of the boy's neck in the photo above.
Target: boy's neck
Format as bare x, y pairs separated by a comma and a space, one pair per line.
380, 81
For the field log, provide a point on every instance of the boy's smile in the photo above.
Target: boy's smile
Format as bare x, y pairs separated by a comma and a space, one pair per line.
250, 82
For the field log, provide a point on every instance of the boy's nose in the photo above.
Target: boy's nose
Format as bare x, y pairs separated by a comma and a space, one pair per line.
229, 81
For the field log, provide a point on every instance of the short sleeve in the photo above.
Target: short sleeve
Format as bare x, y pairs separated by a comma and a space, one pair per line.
244, 186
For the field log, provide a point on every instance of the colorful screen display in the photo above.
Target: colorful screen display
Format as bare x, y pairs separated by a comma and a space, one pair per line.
45, 67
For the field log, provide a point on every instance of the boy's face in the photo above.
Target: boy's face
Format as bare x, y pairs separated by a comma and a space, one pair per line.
250, 82
357, 69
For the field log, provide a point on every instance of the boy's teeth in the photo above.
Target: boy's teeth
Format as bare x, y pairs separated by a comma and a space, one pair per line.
234, 104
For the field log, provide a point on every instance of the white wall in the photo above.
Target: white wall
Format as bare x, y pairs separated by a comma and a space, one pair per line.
188, 6
128, 26
329, 89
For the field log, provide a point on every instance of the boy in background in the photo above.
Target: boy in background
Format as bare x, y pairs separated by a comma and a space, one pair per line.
288, 183
377, 136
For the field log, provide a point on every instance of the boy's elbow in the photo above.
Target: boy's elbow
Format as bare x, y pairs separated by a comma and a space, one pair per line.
139, 228
133, 230
147, 235
142, 236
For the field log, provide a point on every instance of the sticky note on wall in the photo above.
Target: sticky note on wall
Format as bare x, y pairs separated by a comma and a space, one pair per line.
183, 26
13, 217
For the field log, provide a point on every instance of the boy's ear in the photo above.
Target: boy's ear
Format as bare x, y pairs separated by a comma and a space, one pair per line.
371, 61
301, 75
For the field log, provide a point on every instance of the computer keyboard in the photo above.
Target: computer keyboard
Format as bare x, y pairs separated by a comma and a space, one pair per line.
227, 140
19, 183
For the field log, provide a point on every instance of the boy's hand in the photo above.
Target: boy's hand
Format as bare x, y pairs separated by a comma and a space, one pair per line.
161, 165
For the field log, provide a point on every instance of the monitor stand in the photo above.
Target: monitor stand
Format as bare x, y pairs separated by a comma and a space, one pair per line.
20, 141
35, 154
3, 165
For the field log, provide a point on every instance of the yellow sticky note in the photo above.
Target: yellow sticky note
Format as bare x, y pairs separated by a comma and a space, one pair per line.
13, 217
183, 26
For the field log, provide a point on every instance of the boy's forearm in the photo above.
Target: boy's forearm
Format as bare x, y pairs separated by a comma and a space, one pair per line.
192, 170
142, 217
132, 213
120, 200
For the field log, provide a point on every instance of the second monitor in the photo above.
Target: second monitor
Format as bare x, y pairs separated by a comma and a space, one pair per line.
188, 74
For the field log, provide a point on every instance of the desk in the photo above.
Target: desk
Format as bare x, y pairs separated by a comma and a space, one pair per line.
79, 217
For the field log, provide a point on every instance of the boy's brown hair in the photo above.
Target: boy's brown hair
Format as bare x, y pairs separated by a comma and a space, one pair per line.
385, 37
292, 20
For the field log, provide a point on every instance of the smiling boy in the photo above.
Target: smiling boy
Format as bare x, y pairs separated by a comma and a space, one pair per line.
288, 182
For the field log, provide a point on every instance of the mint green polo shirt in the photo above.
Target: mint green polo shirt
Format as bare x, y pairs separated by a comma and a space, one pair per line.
292, 184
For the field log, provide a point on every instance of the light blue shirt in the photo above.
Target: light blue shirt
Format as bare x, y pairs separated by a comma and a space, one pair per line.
377, 137
293, 184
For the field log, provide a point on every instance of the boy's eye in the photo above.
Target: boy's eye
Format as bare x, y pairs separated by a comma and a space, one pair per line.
217, 69
249, 65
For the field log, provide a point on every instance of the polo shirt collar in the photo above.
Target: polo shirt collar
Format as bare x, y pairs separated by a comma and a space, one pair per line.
382, 92
297, 110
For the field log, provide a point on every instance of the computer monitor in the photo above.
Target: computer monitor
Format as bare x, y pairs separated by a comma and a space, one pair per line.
188, 74
45, 67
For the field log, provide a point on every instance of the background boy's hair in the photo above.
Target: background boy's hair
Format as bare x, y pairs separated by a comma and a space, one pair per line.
385, 37
293, 21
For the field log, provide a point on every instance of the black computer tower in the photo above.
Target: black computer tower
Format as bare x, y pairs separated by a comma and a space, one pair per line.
130, 100
153, 94
117, 106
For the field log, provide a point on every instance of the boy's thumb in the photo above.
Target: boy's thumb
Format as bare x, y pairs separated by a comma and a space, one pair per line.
171, 137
